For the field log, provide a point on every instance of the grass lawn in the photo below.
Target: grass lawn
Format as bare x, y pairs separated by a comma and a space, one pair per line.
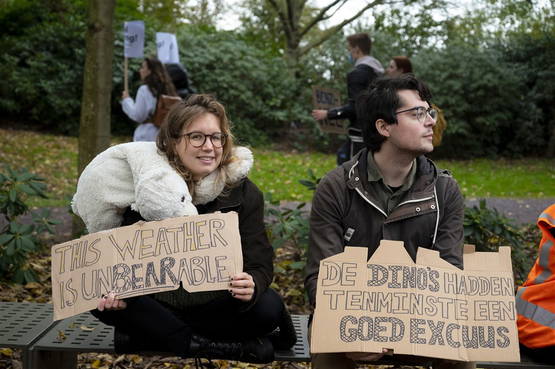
54, 158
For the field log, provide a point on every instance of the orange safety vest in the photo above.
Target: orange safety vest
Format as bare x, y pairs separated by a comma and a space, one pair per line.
535, 300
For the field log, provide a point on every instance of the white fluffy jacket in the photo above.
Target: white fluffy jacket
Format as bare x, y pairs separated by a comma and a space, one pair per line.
135, 174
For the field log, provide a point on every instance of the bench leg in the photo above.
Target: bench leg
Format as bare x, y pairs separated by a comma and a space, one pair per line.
40, 359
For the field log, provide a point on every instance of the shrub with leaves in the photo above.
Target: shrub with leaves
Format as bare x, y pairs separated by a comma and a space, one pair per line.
18, 240
488, 229
287, 230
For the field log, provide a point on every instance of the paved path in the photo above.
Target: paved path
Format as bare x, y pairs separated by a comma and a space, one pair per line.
520, 211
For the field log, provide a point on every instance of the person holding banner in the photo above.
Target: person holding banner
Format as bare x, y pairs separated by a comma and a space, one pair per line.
230, 324
367, 68
156, 82
389, 190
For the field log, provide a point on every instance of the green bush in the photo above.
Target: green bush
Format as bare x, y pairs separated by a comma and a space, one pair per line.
42, 63
255, 87
487, 229
17, 239
492, 99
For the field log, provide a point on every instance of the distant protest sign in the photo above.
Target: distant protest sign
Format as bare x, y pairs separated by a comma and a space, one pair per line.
166, 46
203, 252
327, 98
134, 39
428, 308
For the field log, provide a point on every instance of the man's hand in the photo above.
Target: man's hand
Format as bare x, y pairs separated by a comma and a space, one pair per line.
368, 356
242, 286
319, 114
110, 302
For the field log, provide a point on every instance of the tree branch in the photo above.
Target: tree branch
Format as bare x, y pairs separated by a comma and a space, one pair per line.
322, 15
332, 30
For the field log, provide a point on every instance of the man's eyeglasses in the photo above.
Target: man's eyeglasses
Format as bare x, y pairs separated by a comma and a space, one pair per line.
420, 113
198, 139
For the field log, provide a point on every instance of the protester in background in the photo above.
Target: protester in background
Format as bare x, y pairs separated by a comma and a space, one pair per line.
365, 71
178, 75
400, 65
229, 324
389, 190
156, 82
535, 300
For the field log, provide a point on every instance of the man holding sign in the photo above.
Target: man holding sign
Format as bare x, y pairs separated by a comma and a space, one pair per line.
389, 190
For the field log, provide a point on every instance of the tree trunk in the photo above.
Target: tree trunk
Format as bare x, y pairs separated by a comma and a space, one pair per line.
94, 131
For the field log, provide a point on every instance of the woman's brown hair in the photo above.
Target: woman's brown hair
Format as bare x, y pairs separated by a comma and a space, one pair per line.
158, 80
402, 62
180, 116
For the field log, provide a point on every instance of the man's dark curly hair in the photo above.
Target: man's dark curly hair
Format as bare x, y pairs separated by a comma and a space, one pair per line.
381, 101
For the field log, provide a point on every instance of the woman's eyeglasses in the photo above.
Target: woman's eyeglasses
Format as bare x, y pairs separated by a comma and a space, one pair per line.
198, 139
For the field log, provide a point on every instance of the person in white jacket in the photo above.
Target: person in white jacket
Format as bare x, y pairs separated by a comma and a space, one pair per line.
156, 82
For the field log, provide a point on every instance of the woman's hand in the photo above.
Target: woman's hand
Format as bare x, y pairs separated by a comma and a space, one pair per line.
242, 286
124, 94
110, 302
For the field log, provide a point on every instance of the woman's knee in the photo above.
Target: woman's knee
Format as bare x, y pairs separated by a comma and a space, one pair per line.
268, 309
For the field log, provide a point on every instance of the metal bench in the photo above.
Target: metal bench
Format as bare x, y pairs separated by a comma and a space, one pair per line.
46, 344
58, 348
22, 324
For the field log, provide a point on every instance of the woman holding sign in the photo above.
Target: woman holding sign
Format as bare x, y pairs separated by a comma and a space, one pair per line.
231, 324
156, 82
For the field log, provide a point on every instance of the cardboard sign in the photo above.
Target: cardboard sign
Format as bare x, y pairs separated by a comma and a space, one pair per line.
428, 308
203, 252
327, 98
166, 45
134, 39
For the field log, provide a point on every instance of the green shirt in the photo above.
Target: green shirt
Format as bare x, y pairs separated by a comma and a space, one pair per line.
388, 197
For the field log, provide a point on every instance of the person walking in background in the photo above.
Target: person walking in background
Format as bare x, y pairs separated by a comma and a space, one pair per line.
366, 70
535, 300
156, 82
400, 65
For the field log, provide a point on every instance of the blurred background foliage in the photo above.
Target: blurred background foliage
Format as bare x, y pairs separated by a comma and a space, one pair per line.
491, 69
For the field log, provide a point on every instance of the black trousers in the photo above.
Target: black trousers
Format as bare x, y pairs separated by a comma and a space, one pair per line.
544, 355
147, 320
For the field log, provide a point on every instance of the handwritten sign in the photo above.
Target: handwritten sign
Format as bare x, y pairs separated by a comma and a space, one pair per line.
327, 98
166, 45
428, 308
202, 252
134, 39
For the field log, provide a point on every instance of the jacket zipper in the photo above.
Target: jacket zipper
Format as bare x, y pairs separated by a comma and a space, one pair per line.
377, 207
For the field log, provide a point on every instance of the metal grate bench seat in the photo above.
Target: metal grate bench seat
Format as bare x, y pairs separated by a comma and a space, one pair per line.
59, 347
22, 324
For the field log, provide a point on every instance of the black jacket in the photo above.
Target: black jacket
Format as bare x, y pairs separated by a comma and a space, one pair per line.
357, 81
247, 200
